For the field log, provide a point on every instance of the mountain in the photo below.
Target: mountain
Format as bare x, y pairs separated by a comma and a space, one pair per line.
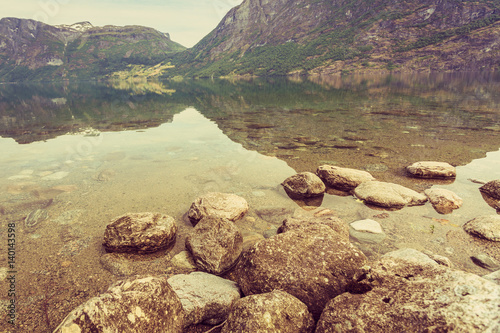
32, 50
278, 37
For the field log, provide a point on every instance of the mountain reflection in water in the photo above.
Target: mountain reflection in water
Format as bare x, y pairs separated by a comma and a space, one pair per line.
86, 152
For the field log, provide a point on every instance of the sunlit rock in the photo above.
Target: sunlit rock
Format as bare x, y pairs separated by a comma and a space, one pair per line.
343, 179
304, 185
388, 195
429, 169
486, 226
225, 205
444, 201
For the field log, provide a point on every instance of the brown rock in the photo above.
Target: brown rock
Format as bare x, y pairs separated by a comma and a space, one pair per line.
492, 189
395, 295
343, 179
444, 201
304, 185
276, 311
430, 169
136, 305
225, 205
140, 232
215, 244
388, 195
307, 222
313, 264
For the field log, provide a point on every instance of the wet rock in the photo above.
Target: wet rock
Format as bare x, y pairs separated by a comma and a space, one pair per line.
493, 277
396, 295
486, 226
274, 215
215, 244
444, 201
225, 205
343, 179
56, 175
485, 261
430, 169
105, 175
310, 221
367, 231
183, 260
388, 195
250, 240
313, 264
147, 304
205, 298
140, 232
411, 256
276, 311
492, 189
304, 185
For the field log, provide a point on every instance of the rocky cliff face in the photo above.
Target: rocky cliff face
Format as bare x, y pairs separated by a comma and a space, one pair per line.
317, 36
34, 50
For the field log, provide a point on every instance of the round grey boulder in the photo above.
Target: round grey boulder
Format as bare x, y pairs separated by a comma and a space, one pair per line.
276, 311
225, 205
215, 244
429, 169
140, 232
304, 185
343, 179
486, 226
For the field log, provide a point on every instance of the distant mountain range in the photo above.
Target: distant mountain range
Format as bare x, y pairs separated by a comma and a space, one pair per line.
32, 50
264, 37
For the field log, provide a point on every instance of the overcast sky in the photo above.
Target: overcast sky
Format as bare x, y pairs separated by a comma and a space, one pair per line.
187, 21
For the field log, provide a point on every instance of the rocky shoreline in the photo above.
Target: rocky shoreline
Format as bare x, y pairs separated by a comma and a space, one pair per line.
308, 277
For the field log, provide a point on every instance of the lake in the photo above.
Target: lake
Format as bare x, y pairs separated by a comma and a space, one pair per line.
82, 153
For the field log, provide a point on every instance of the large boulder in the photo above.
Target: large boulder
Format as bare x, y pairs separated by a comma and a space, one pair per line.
396, 295
205, 298
313, 264
140, 232
146, 304
274, 312
215, 244
388, 195
492, 189
429, 169
444, 201
486, 226
343, 179
226, 205
304, 185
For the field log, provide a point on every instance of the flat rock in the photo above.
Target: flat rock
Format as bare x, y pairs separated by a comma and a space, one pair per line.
429, 169
313, 264
140, 232
276, 311
310, 221
304, 185
116, 264
343, 179
205, 298
492, 189
486, 226
215, 244
225, 205
146, 304
367, 226
444, 201
388, 195
485, 261
412, 256
397, 295
183, 260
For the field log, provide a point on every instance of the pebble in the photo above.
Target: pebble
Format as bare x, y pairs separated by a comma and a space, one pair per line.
367, 226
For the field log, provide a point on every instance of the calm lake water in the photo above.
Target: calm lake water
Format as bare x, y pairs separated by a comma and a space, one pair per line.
87, 152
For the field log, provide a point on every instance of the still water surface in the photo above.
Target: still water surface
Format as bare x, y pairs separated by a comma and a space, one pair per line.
87, 152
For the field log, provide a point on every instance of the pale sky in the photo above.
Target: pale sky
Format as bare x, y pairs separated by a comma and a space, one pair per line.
187, 21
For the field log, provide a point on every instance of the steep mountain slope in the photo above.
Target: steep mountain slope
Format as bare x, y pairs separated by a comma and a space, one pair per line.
34, 50
265, 37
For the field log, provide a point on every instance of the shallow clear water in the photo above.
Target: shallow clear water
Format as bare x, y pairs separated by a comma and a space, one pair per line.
88, 152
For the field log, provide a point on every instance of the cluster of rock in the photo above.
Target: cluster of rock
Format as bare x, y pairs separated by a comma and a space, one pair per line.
306, 278
365, 187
